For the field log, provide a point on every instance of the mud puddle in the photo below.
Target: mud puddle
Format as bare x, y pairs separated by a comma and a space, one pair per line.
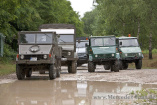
46, 92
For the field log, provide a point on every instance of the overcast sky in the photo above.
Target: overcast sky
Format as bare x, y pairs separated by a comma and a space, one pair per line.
82, 6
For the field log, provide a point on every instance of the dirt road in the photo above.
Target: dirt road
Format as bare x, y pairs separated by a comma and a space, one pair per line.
143, 76
83, 88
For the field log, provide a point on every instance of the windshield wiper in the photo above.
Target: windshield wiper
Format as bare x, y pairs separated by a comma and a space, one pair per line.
62, 40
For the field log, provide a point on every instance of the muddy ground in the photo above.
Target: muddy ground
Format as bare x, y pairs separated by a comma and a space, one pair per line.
83, 88
143, 76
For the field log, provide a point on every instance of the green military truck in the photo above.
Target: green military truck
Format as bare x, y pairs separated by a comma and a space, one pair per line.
38, 51
130, 51
102, 51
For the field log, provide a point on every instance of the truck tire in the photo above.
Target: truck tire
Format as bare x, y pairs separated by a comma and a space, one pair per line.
72, 68
115, 66
125, 66
28, 73
52, 72
58, 72
42, 72
20, 73
138, 64
107, 67
91, 67
120, 65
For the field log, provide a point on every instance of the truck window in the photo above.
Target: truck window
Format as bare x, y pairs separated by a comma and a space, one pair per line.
35, 38
66, 38
129, 43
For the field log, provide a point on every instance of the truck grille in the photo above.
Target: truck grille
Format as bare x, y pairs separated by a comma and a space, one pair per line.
28, 57
132, 54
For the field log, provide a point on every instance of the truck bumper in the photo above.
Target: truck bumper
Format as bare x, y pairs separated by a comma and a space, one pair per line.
82, 60
131, 59
104, 59
34, 62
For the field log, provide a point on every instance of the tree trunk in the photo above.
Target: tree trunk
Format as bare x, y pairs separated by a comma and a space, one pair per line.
139, 28
123, 28
150, 36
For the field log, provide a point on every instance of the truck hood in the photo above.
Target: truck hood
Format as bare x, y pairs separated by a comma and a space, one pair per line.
43, 49
130, 49
81, 50
104, 50
67, 47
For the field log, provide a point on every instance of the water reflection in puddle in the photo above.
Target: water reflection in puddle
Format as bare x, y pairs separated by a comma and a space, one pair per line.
45, 92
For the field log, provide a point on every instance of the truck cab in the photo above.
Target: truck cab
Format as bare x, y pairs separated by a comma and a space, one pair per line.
102, 51
130, 52
81, 51
67, 41
38, 51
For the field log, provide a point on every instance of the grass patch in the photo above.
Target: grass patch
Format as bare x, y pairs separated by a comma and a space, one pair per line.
147, 63
146, 97
154, 51
7, 68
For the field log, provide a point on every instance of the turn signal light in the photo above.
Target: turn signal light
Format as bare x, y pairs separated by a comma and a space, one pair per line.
129, 35
49, 55
17, 56
86, 38
90, 49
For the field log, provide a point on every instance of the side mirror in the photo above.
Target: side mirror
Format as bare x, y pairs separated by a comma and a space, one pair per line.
58, 36
120, 43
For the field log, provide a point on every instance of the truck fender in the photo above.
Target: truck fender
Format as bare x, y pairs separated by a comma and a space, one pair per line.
90, 57
117, 56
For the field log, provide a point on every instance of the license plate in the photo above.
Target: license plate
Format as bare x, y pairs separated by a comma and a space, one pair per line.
33, 59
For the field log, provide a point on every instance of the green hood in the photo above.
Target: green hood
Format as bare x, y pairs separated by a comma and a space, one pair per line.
104, 50
130, 49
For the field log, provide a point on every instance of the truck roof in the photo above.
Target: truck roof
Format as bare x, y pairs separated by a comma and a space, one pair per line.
101, 36
124, 37
57, 26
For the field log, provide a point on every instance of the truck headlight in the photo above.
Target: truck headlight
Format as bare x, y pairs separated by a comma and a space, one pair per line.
112, 54
22, 56
126, 54
96, 55
45, 56
69, 53
139, 54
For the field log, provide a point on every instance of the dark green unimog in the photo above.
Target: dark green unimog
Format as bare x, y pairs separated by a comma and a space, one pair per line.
102, 51
67, 41
129, 51
38, 51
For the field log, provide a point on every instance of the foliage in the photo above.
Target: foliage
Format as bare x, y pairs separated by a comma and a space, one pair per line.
28, 15
123, 17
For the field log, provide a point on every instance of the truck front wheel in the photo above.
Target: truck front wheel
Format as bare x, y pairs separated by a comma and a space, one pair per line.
52, 72
72, 67
28, 73
20, 73
115, 66
125, 66
138, 64
91, 67
107, 67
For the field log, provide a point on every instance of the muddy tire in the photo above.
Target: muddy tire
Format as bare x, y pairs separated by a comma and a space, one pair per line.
28, 73
115, 66
72, 68
107, 67
125, 66
42, 72
120, 65
20, 73
52, 72
91, 67
138, 64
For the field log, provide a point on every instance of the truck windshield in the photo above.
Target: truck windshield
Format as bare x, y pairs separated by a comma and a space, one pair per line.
103, 41
66, 38
128, 43
35, 38
81, 44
